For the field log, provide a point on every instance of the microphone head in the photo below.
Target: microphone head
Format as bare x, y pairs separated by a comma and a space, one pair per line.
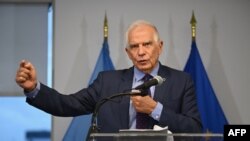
159, 79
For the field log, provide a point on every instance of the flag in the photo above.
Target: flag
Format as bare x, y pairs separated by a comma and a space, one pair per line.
212, 115
104, 61
79, 126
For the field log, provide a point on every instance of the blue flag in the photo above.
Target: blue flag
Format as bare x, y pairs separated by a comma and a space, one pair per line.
212, 115
104, 61
79, 126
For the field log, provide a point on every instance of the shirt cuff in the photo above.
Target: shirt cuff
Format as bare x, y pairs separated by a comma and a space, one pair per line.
33, 93
156, 114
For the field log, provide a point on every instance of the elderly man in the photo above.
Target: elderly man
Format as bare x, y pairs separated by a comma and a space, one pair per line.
171, 104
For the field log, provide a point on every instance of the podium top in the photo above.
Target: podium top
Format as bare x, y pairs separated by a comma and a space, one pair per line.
155, 136
126, 134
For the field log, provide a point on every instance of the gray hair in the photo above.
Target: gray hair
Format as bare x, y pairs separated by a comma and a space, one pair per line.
139, 23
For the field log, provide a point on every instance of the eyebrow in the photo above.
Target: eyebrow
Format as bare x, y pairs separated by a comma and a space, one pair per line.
147, 43
133, 45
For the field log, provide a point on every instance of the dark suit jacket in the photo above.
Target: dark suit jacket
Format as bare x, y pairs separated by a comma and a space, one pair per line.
177, 94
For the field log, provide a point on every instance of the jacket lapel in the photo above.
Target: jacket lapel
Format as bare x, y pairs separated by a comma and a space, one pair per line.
160, 90
125, 86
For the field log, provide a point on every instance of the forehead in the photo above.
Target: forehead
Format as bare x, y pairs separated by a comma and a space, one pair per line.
141, 33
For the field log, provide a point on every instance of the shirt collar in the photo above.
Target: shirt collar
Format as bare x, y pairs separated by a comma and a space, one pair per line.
138, 75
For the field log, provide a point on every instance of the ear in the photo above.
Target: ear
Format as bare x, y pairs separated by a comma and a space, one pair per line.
160, 47
128, 52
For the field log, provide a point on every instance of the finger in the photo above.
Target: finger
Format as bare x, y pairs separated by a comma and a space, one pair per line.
26, 64
147, 97
20, 79
23, 74
22, 63
133, 98
29, 68
136, 96
24, 70
135, 103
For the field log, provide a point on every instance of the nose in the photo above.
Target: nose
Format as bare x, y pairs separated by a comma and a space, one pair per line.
141, 50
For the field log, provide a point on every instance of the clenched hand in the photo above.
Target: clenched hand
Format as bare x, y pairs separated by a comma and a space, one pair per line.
26, 76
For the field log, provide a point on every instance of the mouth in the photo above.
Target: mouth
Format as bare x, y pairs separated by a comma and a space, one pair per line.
142, 61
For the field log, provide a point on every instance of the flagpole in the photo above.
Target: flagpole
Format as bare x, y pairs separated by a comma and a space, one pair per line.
105, 27
212, 115
193, 26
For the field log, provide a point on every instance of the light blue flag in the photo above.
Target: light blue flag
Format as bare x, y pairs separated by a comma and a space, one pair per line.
212, 115
79, 126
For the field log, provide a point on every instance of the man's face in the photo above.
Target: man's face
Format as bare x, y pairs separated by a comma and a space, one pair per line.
143, 50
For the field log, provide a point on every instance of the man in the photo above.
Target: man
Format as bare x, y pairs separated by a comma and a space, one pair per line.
171, 104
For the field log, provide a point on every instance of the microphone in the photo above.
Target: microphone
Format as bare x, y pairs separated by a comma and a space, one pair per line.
157, 80
137, 91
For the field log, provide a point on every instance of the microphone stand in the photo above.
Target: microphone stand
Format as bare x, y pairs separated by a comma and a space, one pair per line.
94, 128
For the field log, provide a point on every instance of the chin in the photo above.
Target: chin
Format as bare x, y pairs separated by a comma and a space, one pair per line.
145, 69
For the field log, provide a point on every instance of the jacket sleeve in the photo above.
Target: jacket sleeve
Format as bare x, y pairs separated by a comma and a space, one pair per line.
180, 112
58, 104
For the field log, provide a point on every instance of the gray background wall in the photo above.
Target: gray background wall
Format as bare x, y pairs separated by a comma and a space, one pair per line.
222, 38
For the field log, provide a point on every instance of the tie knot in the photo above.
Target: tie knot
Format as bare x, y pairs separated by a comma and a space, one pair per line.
147, 77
